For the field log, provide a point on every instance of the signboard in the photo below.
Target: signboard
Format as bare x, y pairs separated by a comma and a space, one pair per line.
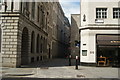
99, 20
84, 52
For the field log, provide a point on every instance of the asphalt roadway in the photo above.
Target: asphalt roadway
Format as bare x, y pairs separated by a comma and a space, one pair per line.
59, 69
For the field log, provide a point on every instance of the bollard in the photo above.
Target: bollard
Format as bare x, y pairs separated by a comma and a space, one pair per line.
76, 62
69, 60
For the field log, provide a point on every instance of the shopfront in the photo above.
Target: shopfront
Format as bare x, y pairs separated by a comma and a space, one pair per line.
97, 43
108, 46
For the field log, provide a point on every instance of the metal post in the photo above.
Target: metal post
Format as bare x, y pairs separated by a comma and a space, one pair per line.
76, 62
69, 60
79, 46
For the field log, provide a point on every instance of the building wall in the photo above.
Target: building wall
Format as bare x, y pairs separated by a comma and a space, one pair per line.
88, 37
75, 24
90, 28
27, 32
88, 8
59, 25
66, 36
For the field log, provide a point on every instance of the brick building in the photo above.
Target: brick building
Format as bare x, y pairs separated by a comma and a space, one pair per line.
31, 31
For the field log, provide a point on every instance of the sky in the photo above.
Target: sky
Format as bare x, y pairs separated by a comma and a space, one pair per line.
70, 7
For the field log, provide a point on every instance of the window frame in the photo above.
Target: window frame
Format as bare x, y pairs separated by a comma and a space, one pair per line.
84, 52
101, 13
118, 12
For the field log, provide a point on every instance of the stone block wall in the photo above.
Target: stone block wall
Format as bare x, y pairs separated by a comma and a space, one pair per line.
9, 41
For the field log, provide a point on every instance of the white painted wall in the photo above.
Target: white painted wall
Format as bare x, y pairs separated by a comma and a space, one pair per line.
89, 9
88, 37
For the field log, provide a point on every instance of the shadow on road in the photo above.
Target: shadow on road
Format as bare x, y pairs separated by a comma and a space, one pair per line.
50, 63
59, 79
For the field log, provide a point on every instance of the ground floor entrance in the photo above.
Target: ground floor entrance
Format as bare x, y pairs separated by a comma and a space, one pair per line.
24, 47
108, 48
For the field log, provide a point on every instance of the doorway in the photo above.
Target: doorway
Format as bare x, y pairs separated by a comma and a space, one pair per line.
49, 55
24, 47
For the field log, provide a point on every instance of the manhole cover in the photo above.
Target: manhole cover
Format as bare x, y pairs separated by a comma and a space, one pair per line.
82, 76
44, 68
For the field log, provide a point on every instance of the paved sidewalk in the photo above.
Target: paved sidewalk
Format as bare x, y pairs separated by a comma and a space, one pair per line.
58, 68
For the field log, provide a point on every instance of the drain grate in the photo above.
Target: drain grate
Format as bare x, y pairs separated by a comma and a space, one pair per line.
82, 76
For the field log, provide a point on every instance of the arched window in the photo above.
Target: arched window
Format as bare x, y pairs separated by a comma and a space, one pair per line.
44, 45
37, 44
0, 40
32, 42
41, 46
24, 47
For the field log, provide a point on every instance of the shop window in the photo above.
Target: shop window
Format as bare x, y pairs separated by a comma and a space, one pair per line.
84, 52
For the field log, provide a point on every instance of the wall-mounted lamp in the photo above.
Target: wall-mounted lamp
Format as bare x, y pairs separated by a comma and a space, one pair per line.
84, 18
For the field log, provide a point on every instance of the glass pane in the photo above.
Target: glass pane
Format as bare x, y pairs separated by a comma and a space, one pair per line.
99, 16
84, 52
105, 16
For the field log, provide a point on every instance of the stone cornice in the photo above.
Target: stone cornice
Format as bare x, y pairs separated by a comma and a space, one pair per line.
9, 14
100, 28
103, 25
18, 14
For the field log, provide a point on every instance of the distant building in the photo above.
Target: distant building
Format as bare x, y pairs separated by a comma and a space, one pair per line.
75, 36
100, 27
31, 31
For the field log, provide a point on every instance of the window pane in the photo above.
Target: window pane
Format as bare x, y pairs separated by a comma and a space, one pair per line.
116, 12
101, 12
84, 52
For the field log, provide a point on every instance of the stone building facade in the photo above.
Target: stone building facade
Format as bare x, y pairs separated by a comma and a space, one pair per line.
31, 31
75, 36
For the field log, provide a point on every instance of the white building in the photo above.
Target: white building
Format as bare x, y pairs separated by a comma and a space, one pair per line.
100, 24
